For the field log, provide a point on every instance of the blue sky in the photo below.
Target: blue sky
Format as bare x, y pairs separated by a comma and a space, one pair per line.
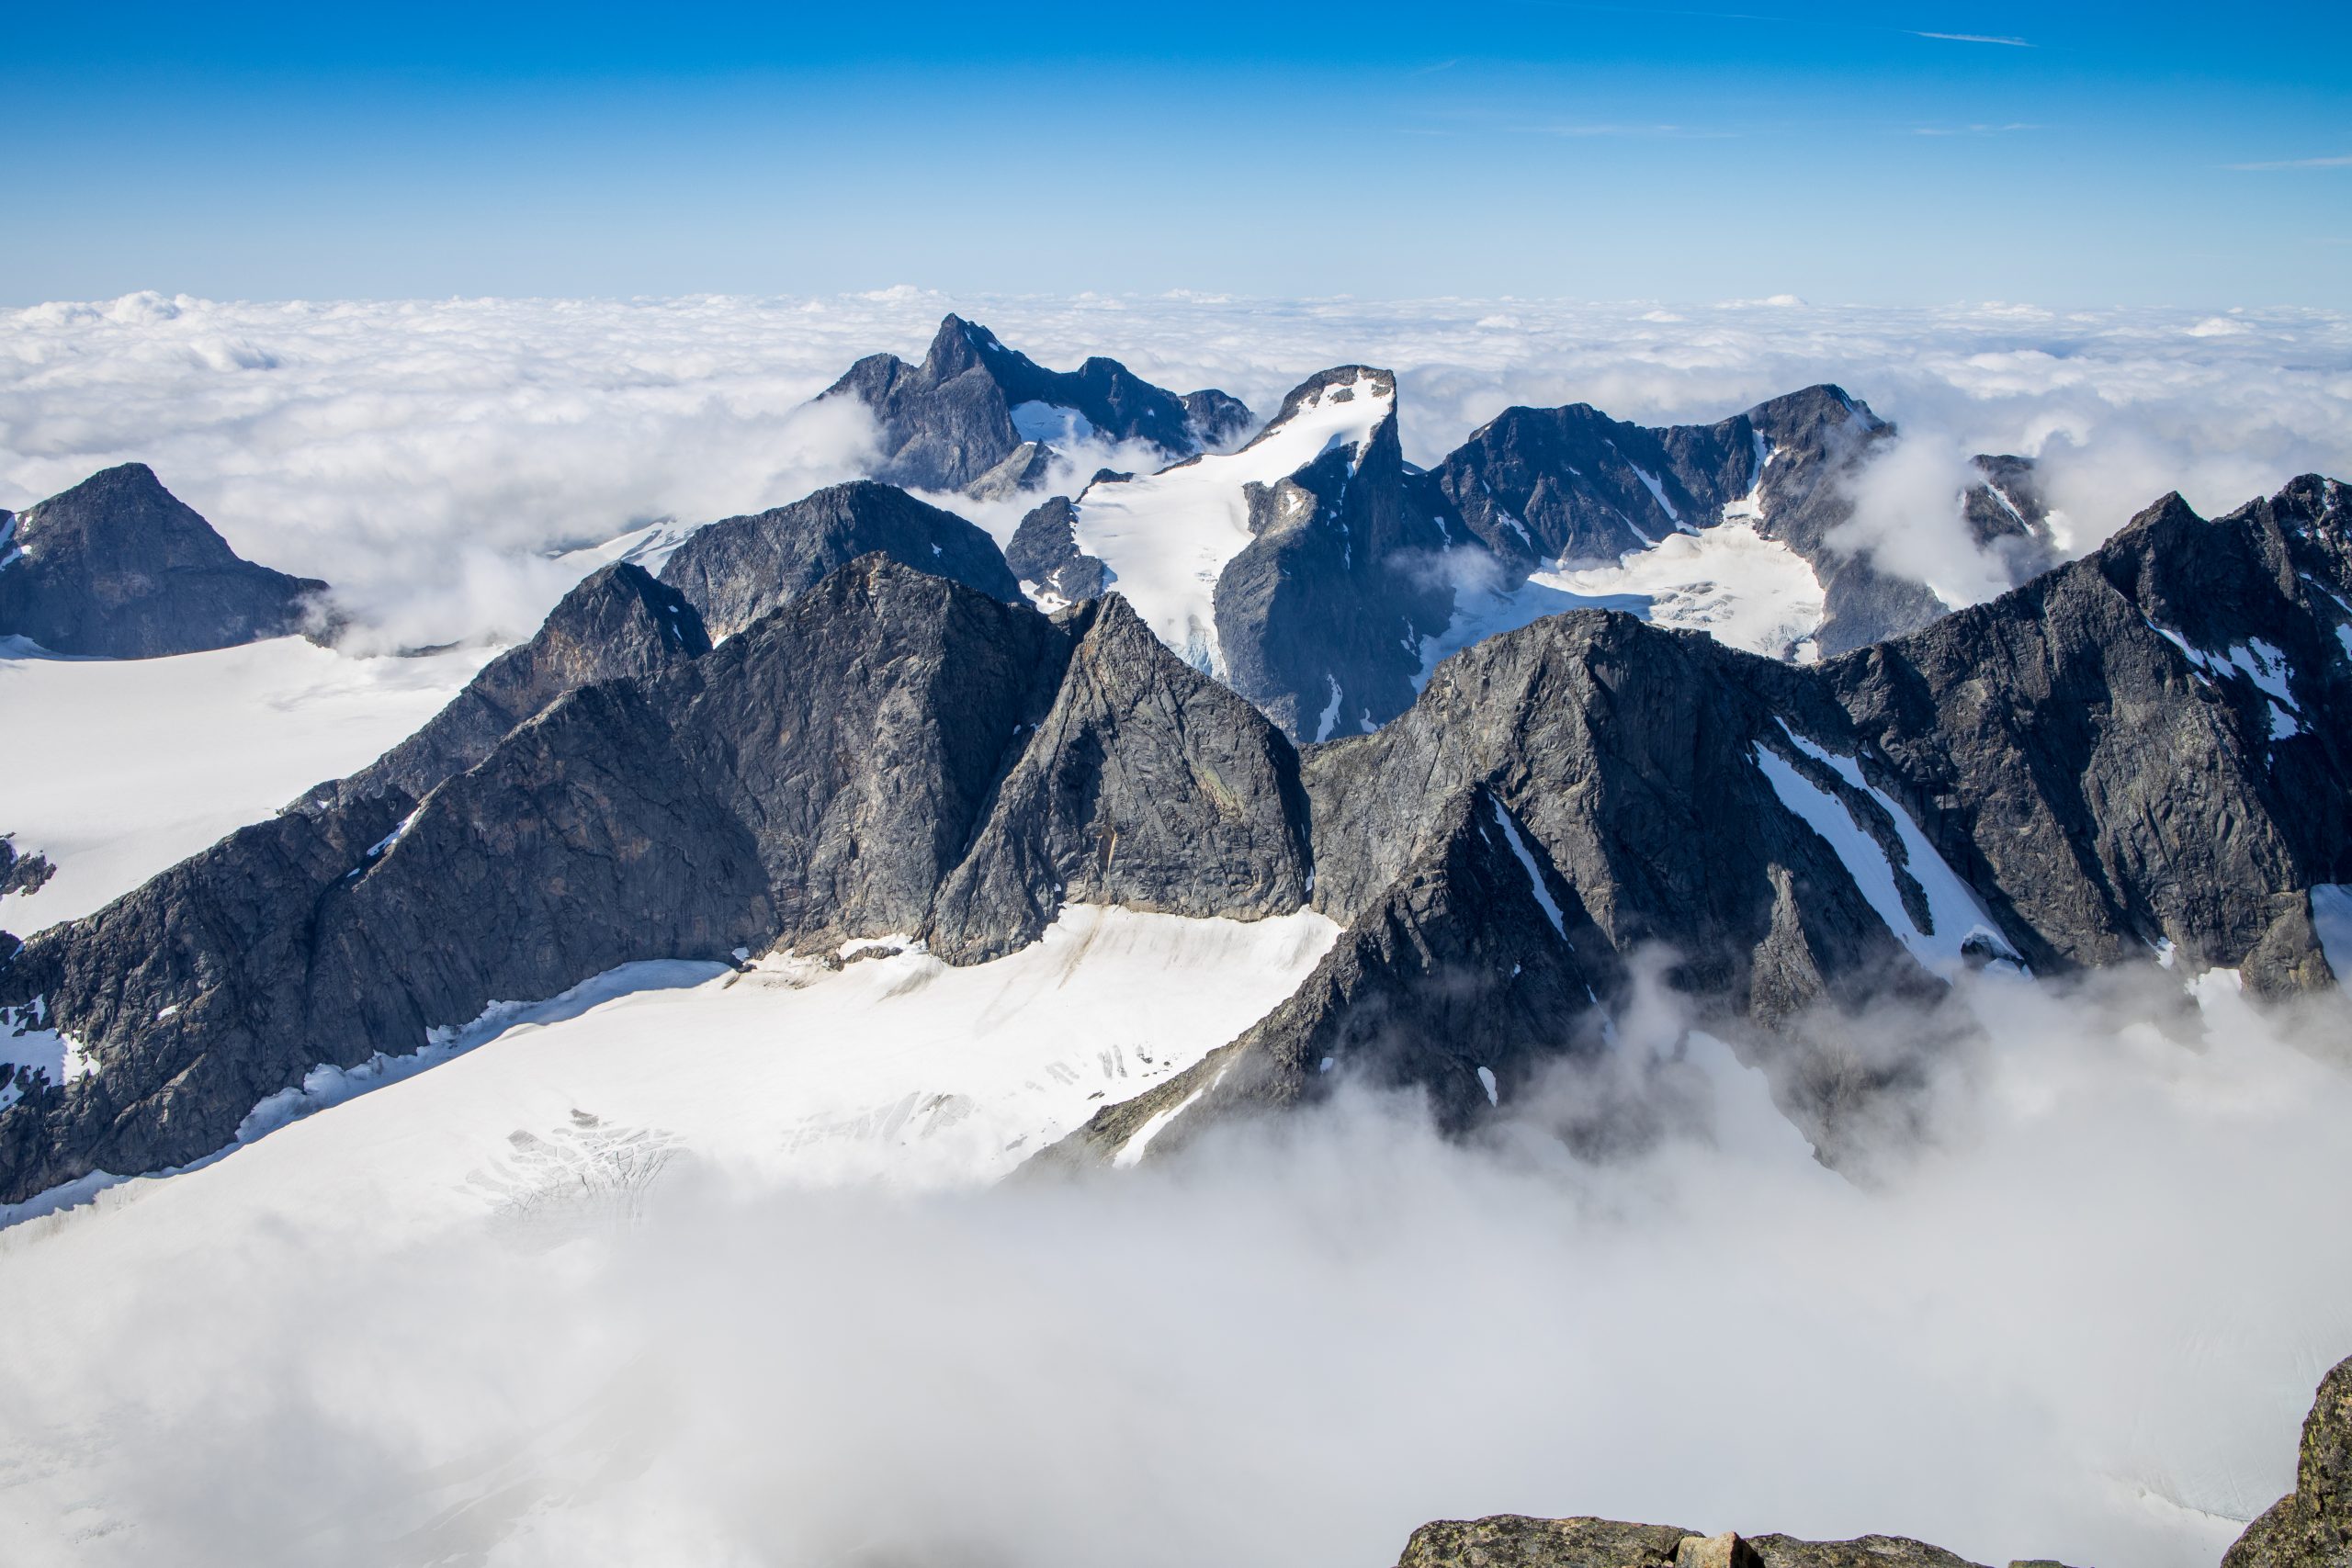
1891, 153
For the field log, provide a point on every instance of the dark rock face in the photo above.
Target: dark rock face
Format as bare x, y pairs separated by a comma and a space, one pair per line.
21, 873
2107, 787
1535, 485
1045, 551
1605, 767
1321, 617
1145, 785
2008, 515
1353, 557
1545, 484
2311, 1526
2144, 747
1511, 1540
119, 567
948, 422
1023, 471
737, 570
1454, 979
2098, 790
1218, 419
890, 751
618, 622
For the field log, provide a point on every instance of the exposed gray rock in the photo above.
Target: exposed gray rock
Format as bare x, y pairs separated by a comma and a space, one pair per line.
948, 422
2311, 1526
119, 567
1610, 762
1535, 485
737, 570
1146, 784
1023, 471
2144, 747
21, 873
826, 775
1511, 1540
1219, 421
2107, 788
1321, 617
1045, 551
2103, 792
618, 622
1548, 484
2008, 515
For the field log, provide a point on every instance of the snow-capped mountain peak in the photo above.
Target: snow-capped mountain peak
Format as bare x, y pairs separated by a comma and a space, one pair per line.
1168, 537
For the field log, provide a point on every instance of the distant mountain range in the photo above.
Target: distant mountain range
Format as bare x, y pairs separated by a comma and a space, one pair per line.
1215, 690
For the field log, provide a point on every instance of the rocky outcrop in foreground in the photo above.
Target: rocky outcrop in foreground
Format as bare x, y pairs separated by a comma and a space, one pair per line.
1511, 1540
119, 567
2310, 1527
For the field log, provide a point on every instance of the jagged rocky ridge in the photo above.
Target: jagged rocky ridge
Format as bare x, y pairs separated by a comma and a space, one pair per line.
889, 752
974, 415
1571, 483
119, 567
2309, 1528
1329, 579
2064, 774
619, 621
2143, 748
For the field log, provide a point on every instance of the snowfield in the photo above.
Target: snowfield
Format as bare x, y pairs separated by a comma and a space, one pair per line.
895, 1068
119, 768
1168, 536
1727, 580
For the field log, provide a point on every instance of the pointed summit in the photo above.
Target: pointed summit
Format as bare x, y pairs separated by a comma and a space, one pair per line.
959, 419
119, 567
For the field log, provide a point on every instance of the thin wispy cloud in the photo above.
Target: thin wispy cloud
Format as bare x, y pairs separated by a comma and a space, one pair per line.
2338, 161
1972, 38
1974, 130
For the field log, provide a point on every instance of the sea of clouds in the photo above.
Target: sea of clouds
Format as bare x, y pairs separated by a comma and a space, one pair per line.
2077, 1311
428, 457
2080, 1314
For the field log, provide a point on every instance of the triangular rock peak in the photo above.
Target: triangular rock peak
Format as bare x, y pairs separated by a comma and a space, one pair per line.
119, 567
974, 413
